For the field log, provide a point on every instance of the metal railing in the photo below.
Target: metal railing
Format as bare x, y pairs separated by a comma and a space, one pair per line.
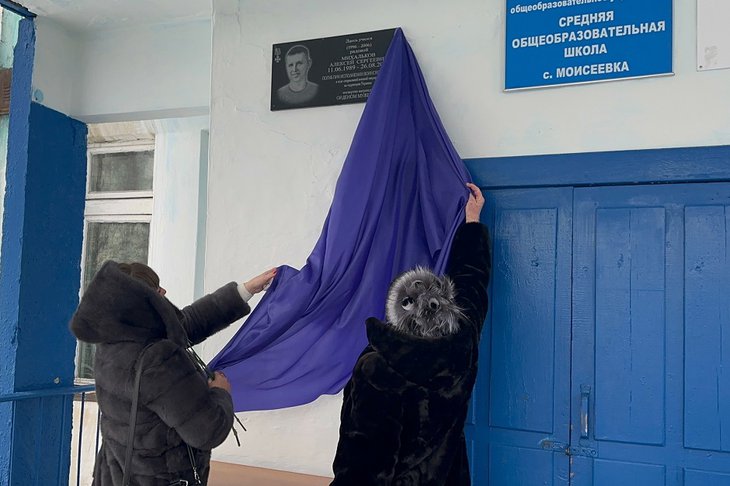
75, 398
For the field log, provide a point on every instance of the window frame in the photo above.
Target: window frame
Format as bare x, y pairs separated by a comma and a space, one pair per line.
117, 148
113, 207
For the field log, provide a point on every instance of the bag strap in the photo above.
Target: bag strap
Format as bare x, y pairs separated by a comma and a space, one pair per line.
191, 456
133, 426
133, 418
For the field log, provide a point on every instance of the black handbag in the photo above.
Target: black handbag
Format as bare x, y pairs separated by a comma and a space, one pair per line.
133, 426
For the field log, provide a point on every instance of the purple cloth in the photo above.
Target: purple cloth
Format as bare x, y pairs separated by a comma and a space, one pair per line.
397, 204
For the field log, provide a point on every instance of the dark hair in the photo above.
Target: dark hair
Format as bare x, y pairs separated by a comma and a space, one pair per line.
298, 49
142, 272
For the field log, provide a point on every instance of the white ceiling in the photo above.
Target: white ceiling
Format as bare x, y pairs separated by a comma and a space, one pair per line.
92, 15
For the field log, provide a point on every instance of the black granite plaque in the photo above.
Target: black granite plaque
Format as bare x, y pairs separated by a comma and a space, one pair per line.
328, 71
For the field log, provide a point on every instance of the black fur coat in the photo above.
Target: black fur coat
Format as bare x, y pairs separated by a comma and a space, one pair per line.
121, 315
404, 407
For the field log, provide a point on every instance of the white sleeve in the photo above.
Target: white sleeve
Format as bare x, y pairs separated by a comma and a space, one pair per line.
245, 294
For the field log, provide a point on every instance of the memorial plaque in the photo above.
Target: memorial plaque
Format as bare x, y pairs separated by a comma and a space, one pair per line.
327, 71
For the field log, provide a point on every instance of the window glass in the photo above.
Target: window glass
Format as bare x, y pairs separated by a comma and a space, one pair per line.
121, 171
118, 241
122, 242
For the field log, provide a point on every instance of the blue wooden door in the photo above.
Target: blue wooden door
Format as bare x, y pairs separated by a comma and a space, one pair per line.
521, 401
650, 393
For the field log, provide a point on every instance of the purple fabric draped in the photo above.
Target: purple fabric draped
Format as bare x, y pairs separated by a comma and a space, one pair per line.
397, 204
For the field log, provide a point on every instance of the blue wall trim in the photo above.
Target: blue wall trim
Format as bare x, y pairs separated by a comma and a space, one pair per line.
693, 164
39, 277
13, 221
49, 287
14, 207
17, 8
52, 239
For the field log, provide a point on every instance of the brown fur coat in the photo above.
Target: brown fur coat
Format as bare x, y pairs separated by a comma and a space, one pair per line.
122, 315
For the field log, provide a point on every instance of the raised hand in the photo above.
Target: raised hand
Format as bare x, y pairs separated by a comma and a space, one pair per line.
260, 282
475, 203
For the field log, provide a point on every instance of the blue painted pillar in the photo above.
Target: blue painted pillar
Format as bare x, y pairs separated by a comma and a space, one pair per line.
39, 277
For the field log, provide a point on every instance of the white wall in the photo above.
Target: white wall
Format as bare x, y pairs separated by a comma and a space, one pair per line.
272, 174
271, 179
146, 72
180, 150
174, 227
143, 73
56, 70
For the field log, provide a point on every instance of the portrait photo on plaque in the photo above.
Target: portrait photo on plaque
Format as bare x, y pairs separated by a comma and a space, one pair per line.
327, 71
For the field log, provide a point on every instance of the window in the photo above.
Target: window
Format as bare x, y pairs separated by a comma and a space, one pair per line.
117, 216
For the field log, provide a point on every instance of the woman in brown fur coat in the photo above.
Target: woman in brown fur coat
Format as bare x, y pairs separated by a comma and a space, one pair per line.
124, 312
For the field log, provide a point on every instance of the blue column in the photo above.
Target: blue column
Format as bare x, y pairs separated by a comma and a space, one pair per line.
39, 277
13, 217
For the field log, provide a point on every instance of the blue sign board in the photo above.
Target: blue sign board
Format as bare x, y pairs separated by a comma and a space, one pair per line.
561, 42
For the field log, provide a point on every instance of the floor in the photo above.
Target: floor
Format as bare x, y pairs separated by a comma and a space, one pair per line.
224, 474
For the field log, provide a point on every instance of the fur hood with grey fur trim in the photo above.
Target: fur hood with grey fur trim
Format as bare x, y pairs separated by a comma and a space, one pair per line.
122, 316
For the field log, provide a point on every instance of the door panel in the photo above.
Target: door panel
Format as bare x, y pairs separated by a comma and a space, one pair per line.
520, 405
629, 313
650, 304
614, 473
525, 261
525, 466
702, 478
707, 347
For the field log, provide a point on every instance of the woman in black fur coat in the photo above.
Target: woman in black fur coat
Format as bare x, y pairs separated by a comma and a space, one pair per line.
123, 312
402, 420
